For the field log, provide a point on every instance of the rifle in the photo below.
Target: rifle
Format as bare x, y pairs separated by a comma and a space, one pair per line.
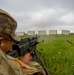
26, 45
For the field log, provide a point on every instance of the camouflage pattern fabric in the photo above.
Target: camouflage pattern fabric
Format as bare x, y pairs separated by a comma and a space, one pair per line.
38, 70
15, 65
5, 68
8, 25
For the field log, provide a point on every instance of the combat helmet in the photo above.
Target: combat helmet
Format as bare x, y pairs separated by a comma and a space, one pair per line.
8, 25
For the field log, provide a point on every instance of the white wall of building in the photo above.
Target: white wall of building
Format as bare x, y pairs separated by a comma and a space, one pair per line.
30, 32
52, 32
65, 32
20, 33
42, 32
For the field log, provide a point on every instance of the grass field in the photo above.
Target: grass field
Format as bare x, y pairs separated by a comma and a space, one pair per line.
58, 53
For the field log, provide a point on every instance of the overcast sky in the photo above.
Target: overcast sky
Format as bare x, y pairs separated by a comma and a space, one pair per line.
41, 14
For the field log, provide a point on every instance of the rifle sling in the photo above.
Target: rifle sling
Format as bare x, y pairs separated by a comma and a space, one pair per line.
24, 65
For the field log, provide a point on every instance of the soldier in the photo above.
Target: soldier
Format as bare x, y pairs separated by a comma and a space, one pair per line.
8, 64
7, 37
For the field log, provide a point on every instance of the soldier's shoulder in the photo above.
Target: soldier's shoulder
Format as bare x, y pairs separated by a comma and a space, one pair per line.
15, 65
13, 61
10, 57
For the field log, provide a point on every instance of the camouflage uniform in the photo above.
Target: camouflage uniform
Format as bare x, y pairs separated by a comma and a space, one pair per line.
7, 29
15, 65
38, 70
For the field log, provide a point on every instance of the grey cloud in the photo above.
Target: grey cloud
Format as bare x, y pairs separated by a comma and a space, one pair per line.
40, 14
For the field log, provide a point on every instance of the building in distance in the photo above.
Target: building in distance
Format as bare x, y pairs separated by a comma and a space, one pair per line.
52, 32
30, 32
42, 32
20, 33
65, 32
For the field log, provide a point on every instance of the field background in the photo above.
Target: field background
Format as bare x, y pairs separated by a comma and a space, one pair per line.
58, 53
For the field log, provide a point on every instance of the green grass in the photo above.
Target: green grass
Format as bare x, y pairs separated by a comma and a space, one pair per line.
58, 53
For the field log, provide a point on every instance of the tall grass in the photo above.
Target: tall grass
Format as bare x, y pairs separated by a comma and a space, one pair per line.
58, 53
